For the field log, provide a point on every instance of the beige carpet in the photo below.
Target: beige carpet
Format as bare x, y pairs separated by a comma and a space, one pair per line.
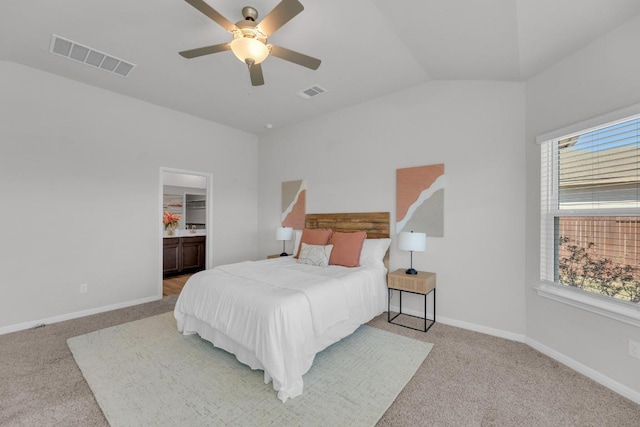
469, 379
146, 373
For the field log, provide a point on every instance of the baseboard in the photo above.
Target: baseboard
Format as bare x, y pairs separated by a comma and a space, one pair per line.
596, 376
588, 372
69, 316
482, 329
466, 325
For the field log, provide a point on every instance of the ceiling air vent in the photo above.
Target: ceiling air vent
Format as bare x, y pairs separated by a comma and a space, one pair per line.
311, 92
86, 55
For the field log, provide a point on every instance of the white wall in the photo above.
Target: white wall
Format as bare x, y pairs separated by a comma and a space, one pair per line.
603, 77
349, 159
80, 193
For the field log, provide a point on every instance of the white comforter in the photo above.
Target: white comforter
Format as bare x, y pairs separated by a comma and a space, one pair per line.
277, 314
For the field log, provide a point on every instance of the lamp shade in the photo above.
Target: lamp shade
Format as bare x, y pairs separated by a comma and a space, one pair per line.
284, 233
249, 48
410, 241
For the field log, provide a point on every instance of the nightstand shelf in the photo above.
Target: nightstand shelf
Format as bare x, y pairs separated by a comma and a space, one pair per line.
422, 283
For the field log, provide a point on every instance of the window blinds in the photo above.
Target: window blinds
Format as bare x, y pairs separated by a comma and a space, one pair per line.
599, 169
590, 189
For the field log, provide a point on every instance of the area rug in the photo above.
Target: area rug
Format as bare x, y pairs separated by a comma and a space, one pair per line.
145, 373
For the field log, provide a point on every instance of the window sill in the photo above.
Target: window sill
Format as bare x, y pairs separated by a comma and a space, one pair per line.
618, 310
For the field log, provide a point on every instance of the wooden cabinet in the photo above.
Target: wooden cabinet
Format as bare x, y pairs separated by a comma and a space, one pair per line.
170, 255
193, 249
183, 255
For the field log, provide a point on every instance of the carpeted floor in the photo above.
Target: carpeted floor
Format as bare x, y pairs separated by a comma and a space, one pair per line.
146, 373
469, 379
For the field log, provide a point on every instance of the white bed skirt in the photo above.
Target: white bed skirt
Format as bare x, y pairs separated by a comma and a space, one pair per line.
190, 325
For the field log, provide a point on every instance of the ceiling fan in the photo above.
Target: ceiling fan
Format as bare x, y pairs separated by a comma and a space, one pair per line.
249, 42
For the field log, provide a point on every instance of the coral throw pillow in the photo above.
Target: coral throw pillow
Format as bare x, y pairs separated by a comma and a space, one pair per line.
320, 237
347, 248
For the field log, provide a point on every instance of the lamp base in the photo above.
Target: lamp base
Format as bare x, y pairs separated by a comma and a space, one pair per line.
411, 271
284, 254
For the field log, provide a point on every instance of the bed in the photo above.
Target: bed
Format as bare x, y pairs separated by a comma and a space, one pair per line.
277, 314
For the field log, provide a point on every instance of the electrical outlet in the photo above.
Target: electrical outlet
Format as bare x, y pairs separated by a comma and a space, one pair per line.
634, 349
84, 288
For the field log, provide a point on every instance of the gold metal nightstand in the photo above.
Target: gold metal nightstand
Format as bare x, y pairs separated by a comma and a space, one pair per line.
422, 283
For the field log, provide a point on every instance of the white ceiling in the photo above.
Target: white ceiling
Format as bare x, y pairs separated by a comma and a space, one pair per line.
368, 48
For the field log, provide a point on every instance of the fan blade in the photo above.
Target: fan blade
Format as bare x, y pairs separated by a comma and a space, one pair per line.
280, 15
194, 53
212, 14
295, 57
255, 73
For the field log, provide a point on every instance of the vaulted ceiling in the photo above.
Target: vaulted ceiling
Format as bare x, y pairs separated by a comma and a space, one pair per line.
368, 48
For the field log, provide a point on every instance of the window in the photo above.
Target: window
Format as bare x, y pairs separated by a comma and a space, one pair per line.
590, 230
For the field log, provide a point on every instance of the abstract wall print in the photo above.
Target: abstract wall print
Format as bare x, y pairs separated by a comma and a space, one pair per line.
420, 199
172, 203
294, 202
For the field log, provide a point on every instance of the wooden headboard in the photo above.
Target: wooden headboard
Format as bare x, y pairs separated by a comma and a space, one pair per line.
376, 224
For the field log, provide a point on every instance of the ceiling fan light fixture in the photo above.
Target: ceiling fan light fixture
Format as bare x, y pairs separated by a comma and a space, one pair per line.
249, 42
249, 48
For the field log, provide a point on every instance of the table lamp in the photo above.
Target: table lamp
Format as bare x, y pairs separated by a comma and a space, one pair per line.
412, 242
284, 233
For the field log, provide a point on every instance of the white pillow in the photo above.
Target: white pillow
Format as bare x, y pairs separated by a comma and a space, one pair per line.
315, 254
296, 241
373, 251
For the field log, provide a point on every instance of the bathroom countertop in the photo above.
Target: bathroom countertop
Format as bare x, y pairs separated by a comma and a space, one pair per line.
187, 233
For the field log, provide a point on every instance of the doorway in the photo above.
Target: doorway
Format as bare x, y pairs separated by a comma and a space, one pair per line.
187, 196
173, 285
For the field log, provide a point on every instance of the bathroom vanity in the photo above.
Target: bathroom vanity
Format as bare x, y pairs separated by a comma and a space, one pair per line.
183, 254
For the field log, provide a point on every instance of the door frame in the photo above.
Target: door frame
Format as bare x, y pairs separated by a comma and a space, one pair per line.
208, 215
